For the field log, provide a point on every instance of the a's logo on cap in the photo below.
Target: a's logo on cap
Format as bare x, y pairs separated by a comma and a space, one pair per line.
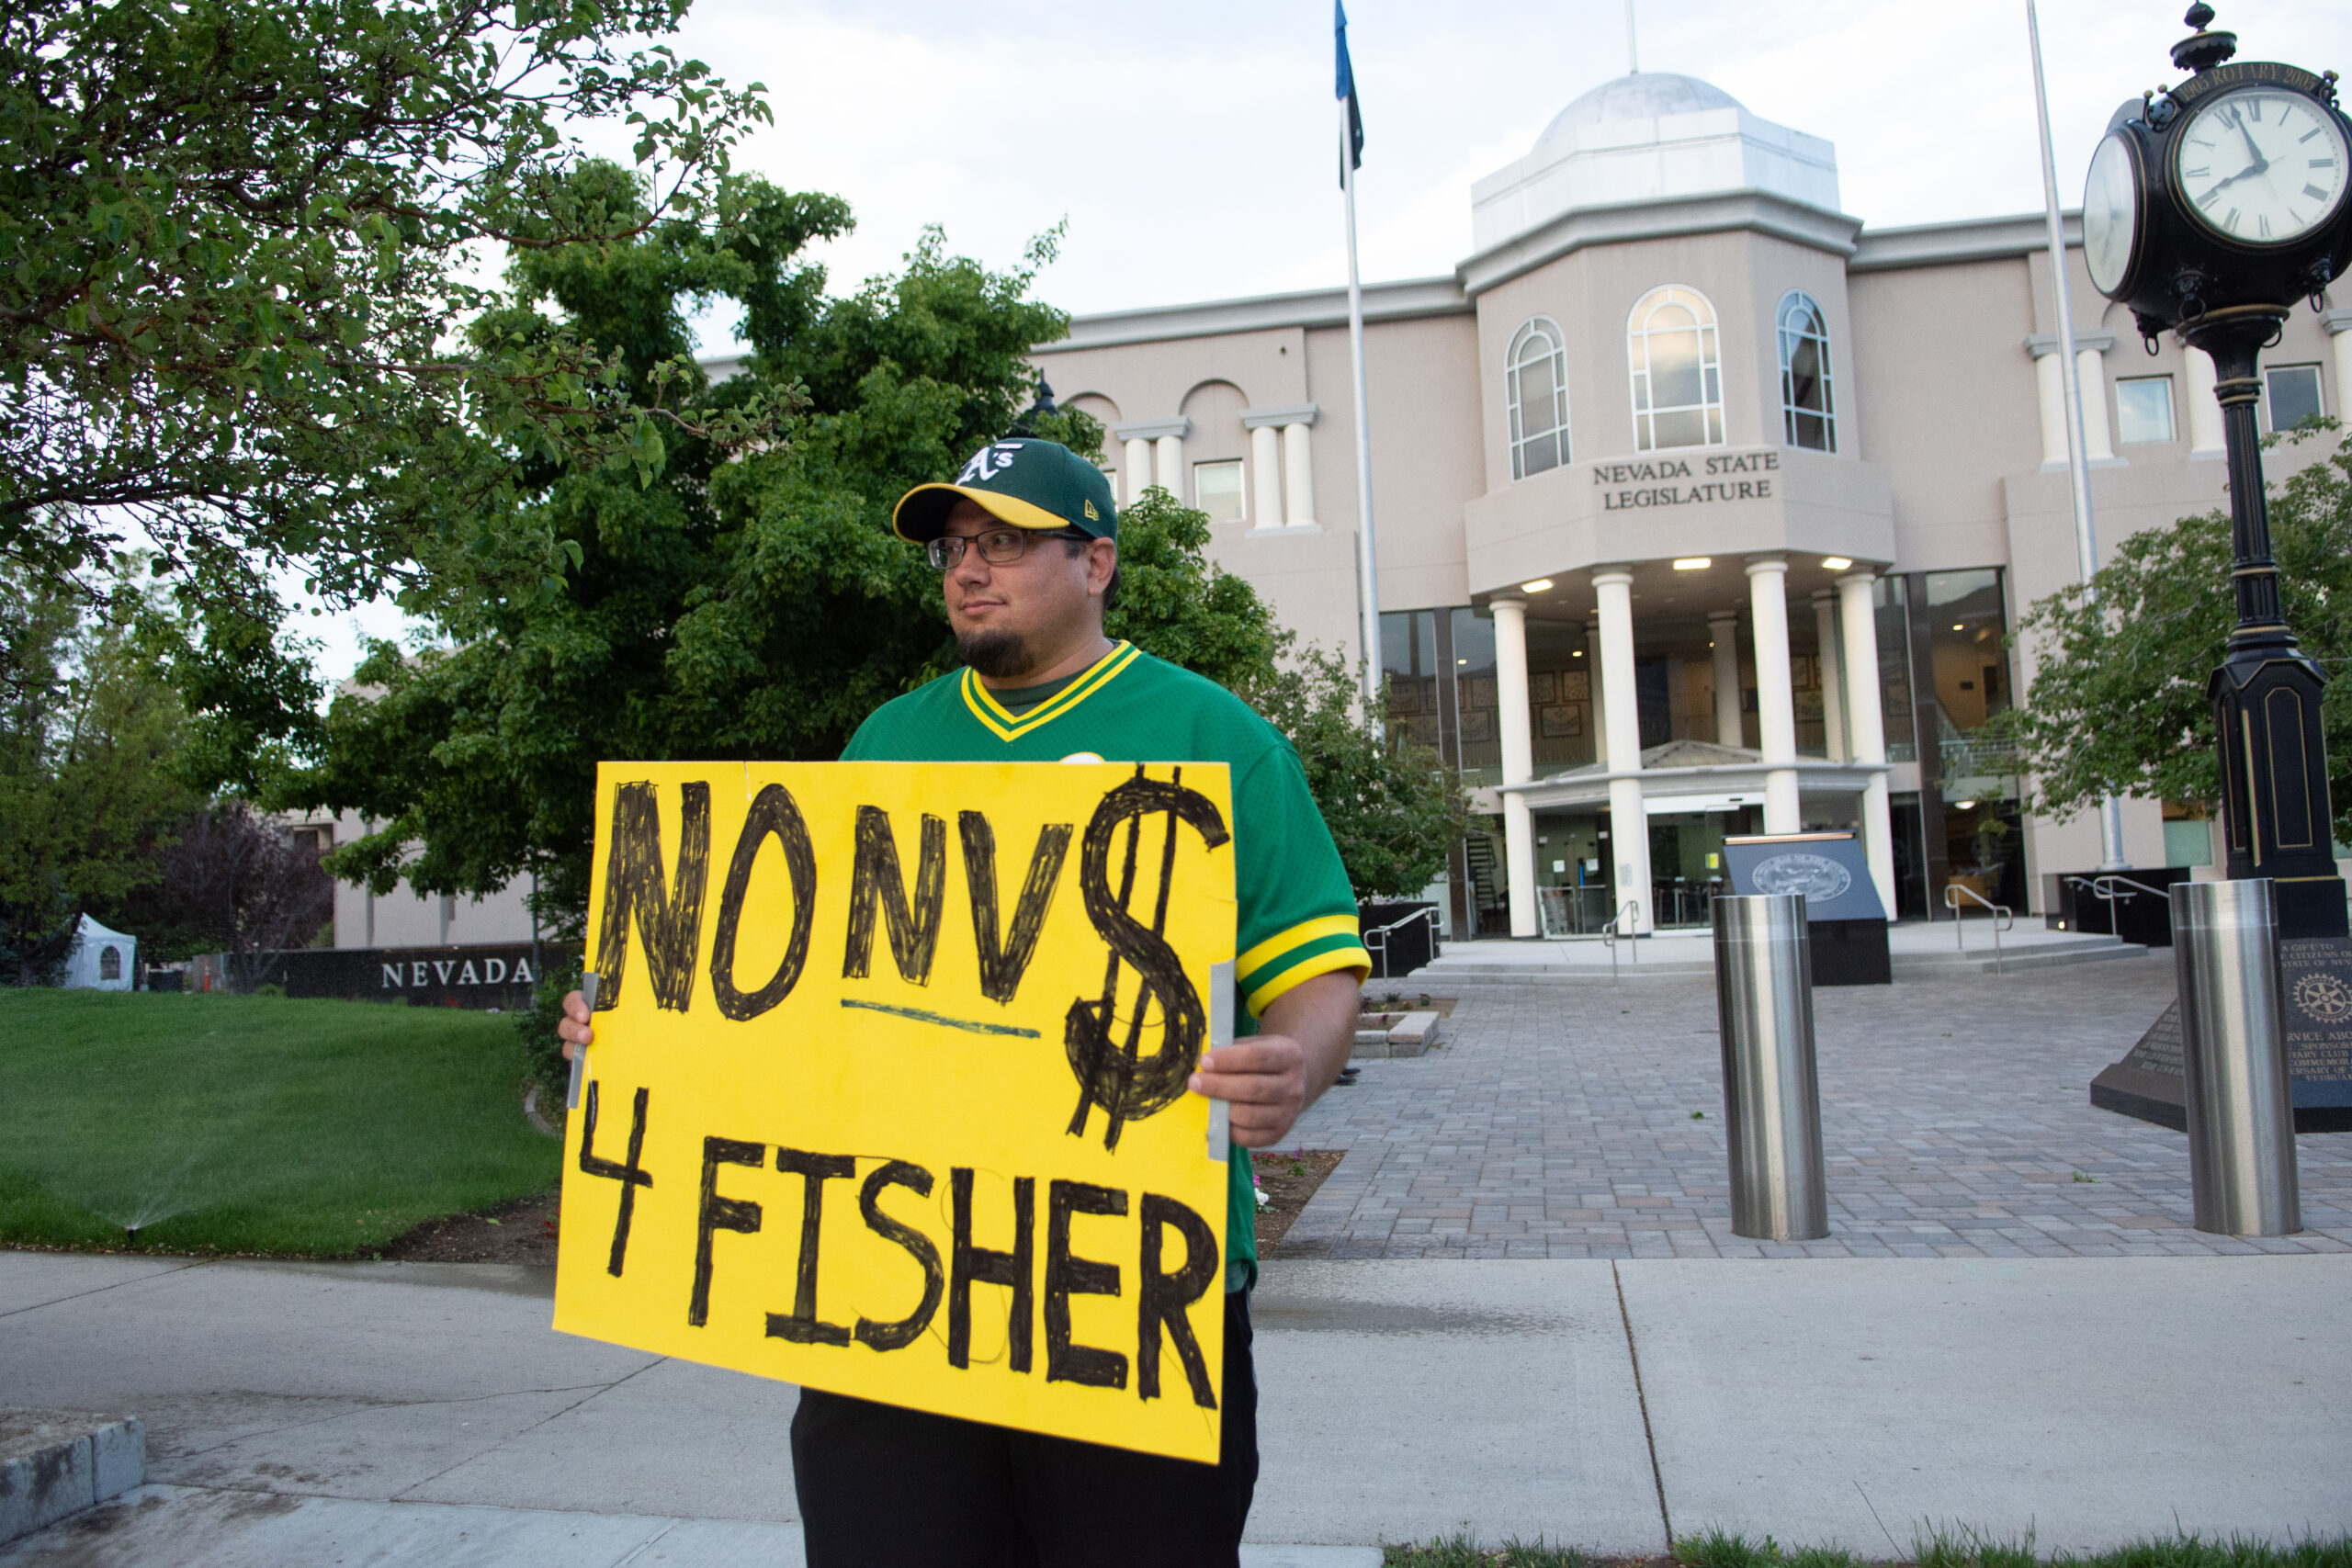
1091, 515
988, 462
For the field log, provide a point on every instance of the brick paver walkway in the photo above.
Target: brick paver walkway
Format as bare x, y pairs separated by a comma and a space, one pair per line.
1555, 1121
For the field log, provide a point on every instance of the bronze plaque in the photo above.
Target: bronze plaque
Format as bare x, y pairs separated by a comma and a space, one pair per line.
2319, 1018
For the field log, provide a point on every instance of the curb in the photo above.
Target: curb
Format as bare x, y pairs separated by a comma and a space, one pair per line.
54, 1463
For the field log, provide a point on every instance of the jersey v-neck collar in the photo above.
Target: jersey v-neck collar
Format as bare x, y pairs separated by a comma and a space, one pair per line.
1005, 725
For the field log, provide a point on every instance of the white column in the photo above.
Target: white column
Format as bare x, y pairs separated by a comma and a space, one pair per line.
2050, 388
2204, 408
1592, 683
1833, 696
1776, 698
2090, 371
1298, 478
2338, 324
1868, 727
1138, 465
1629, 825
1722, 630
1518, 763
1265, 478
1168, 469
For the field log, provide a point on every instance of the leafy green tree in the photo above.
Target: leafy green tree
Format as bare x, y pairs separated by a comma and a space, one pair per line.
749, 606
2118, 701
88, 789
1171, 602
239, 238
1395, 809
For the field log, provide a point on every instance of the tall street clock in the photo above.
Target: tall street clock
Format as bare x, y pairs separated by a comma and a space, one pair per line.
2228, 190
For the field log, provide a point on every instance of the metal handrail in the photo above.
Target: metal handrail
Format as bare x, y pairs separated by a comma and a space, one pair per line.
2002, 920
1610, 933
2102, 887
1381, 932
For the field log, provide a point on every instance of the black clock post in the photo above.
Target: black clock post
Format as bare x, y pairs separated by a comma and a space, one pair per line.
2212, 209
2266, 693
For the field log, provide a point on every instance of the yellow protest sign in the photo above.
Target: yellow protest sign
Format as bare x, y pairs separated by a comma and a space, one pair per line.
888, 1095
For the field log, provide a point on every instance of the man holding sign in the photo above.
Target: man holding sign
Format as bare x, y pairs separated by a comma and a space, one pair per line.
1025, 539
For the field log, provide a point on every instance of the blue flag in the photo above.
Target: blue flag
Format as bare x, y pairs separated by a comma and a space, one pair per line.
1346, 91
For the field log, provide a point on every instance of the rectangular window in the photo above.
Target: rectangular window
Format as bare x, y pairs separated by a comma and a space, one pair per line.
1409, 661
2290, 395
1474, 679
1216, 490
1559, 696
1889, 610
2188, 837
1967, 644
2143, 410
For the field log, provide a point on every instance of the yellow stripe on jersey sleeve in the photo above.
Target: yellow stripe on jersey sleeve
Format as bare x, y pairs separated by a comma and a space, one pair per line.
1299, 935
1310, 948
1340, 955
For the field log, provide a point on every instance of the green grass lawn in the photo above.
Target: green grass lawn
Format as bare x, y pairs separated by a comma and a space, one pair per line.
255, 1124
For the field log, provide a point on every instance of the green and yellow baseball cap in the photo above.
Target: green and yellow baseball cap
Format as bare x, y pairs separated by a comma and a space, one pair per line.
1020, 480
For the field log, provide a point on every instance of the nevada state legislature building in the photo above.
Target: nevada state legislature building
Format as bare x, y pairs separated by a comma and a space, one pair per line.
1702, 509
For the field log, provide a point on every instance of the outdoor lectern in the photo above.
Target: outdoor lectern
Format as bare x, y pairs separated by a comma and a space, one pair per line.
1846, 924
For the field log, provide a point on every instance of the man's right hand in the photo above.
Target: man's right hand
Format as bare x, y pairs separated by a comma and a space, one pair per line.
574, 1029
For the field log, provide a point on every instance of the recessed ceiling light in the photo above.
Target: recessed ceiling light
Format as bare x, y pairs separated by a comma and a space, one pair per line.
1694, 563
1958, 627
1577, 654
1462, 662
1963, 805
1835, 563
1538, 586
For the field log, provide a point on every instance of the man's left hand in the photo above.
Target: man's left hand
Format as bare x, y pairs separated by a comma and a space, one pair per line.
1271, 1078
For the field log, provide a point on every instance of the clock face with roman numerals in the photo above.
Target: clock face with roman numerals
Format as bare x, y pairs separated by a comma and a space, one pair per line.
2261, 165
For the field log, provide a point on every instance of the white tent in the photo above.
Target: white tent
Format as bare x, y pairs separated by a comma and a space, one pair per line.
101, 959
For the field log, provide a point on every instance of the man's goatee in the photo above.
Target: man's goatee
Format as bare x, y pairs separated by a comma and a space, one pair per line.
999, 655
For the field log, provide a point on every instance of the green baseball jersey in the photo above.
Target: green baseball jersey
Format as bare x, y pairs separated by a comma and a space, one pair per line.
1297, 914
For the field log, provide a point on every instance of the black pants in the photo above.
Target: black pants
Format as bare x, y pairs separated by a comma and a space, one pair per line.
885, 1487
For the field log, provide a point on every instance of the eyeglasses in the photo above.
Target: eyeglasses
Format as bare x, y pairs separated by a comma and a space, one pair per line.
999, 546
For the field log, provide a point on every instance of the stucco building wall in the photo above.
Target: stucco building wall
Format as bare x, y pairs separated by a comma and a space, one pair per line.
1946, 494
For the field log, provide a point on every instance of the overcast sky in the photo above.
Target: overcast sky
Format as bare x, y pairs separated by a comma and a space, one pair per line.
1194, 148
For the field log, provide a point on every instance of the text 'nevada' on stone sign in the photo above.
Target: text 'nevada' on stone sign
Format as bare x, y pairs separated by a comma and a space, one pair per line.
1717, 489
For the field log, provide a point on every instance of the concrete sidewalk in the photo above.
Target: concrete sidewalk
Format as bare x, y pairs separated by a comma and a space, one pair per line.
416, 1414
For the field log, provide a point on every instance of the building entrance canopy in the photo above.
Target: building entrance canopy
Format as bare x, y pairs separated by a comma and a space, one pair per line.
1684, 774
1693, 776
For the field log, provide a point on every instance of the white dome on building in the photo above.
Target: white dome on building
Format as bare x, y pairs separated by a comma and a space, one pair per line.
1650, 137
1650, 95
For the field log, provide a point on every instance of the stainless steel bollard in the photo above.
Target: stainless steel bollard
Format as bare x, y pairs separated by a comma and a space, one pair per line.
1772, 1096
2233, 1054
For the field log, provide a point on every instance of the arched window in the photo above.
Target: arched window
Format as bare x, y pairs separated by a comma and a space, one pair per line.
1535, 385
1807, 411
109, 963
1677, 373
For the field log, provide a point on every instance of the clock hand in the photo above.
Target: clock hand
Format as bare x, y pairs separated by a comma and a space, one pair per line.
2260, 162
2242, 174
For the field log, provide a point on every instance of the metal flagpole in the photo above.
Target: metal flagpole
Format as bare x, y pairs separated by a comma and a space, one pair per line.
2110, 810
1368, 588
